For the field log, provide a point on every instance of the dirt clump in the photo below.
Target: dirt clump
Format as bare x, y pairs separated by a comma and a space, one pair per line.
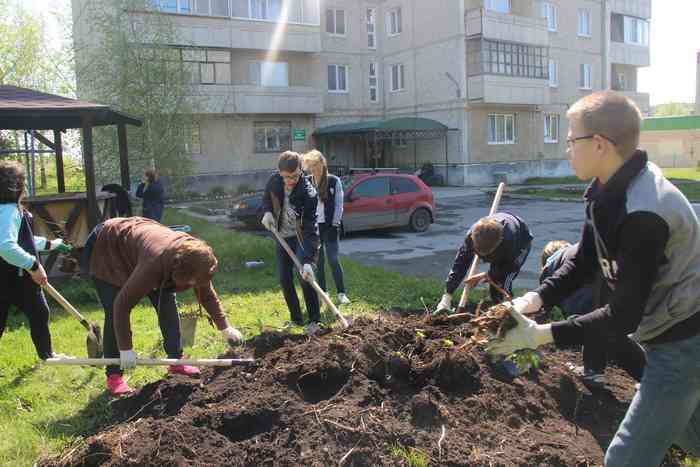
389, 388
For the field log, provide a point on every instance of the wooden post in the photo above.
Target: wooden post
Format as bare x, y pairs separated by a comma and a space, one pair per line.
89, 164
58, 148
123, 156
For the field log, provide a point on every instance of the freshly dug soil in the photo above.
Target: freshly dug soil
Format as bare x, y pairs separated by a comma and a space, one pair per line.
373, 395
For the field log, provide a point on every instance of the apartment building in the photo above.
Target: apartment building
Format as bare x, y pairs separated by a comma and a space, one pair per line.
479, 88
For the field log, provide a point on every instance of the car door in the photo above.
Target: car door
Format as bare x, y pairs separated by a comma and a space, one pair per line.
404, 192
369, 205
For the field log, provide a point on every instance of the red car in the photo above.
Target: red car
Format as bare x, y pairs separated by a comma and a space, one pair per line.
378, 200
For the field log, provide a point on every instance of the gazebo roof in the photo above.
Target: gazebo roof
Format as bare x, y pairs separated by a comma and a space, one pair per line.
24, 109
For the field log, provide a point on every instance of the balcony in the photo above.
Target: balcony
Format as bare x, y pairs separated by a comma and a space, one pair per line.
637, 8
639, 98
246, 99
629, 54
506, 27
507, 90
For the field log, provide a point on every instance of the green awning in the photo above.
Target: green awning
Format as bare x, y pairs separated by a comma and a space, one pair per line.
407, 124
688, 122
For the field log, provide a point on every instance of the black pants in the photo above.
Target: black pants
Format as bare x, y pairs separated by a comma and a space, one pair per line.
627, 353
285, 269
168, 320
28, 297
330, 245
505, 273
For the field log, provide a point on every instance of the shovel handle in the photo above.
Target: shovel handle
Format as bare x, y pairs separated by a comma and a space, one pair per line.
65, 304
150, 361
475, 261
313, 282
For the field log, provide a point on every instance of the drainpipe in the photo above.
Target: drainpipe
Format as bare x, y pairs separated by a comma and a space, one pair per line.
605, 20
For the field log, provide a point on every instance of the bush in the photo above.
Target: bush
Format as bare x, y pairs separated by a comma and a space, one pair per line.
217, 191
244, 188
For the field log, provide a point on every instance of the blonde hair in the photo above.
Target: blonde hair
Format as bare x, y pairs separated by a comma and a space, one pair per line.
612, 116
487, 234
551, 248
194, 259
314, 158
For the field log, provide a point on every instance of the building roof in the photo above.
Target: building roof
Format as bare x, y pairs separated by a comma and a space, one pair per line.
24, 109
409, 124
687, 122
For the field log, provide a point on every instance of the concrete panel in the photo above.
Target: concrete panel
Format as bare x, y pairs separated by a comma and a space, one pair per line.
638, 8
514, 172
498, 89
629, 54
507, 27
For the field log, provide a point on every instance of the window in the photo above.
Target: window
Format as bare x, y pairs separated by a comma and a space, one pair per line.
553, 74
373, 83
372, 188
269, 74
207, 66
584, 23
401, 185
636, 31
192, 142
585, 74
174, 6
338, 78
266, 9
549, 11
272, 136
551, 128
502, 6
397, 77
501, 129
620, 83
505, 58
393, 22
372, 28
335, 22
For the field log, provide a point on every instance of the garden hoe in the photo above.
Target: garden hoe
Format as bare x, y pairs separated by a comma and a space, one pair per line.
94, 336
313, 282
152, 361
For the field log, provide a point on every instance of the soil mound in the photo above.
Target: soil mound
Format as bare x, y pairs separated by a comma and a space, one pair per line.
391, 390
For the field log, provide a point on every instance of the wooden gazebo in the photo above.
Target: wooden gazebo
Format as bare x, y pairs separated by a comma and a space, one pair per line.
30, 110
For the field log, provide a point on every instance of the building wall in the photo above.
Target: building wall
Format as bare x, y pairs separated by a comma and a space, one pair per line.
675, 148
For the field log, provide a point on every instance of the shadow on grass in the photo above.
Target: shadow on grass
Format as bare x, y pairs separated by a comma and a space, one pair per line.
89, 420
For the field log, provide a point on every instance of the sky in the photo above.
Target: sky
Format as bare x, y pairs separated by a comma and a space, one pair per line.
674, 42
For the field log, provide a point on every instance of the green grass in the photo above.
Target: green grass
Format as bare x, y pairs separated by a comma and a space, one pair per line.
73, 175
408, 456
44, 409
691, 191
691, 173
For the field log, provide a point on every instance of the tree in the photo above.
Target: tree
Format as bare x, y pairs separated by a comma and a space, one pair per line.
673, 109
125, 61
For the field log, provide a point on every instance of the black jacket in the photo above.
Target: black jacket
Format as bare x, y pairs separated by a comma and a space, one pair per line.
304, 201
505, 261
329, 204
153, 196
625, 240
10, 274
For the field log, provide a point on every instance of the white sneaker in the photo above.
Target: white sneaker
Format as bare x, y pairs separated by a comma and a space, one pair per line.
312, 329
343, 299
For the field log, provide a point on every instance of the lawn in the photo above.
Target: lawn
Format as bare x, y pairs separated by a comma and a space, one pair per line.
44, 409
691, 173
690, 190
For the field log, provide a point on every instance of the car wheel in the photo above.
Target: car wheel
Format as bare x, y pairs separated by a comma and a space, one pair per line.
420, 220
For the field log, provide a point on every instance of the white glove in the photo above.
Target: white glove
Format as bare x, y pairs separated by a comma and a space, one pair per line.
232, 336
127, 359
528, 303
445, 303
307, 272
268, 221
527, 334
55, 243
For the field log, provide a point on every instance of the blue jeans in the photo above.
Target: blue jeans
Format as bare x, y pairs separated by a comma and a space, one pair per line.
330, 244
285, 269
664, 410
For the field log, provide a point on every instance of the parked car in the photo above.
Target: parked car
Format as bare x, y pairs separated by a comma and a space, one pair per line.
248, 210
379, 200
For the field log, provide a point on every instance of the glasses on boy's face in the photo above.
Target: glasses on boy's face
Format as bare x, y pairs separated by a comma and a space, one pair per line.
291, 178
571, 141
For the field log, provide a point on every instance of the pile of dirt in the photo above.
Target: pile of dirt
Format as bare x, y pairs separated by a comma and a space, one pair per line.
390, 390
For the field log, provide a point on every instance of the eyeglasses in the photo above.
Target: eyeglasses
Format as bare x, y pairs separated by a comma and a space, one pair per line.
571, 141
291, 178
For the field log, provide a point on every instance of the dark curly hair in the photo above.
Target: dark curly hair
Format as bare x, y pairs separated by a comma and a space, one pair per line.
12, 178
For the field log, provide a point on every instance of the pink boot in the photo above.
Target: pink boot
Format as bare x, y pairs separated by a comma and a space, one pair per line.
117, 385
186, 370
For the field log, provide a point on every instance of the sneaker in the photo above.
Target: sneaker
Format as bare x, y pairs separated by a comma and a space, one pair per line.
117, 386
343, 299
312, 329
186, 370
589, 378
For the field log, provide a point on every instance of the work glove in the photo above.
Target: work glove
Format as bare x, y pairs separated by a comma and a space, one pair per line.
268, 221
232, 336
445, 305
527, 334
528, 303
307, 273
59, 246
127, 359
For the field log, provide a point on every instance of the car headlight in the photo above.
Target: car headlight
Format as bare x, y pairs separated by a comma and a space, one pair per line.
242, 205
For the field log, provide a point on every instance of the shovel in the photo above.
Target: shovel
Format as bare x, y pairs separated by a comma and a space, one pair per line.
94, 336
313, 282
465, 292
151, 361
